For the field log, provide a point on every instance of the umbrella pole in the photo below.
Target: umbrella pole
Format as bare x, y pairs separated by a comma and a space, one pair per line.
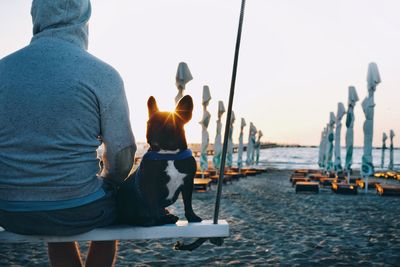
229, 114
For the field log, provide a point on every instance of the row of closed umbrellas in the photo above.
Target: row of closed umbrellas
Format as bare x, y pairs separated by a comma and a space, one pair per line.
330, 144
183, 76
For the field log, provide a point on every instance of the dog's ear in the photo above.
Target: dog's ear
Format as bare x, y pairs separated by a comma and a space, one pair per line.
152, 106
184, 108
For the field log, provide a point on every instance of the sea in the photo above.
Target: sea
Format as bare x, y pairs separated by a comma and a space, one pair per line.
290, 158
307, 158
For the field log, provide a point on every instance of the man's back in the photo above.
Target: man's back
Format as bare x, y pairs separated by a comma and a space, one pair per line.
54, 98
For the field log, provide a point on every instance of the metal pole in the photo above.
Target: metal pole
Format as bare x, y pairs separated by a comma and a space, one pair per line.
228, 116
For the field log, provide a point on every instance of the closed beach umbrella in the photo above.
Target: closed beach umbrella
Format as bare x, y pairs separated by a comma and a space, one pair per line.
240, 148
391, 151
384, 137
250, 144
204, 125
368, 105
326, 146
339, 115
183, 76
229, 154
331, 138
352, 100
217, 141
322, 149
258, 146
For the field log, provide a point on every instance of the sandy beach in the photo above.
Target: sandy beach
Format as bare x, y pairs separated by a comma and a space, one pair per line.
270, 225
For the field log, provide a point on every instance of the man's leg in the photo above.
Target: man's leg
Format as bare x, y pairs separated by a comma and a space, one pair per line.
64, 254
101, 254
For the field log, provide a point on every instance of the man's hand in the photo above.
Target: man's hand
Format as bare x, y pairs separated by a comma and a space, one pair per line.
117, 167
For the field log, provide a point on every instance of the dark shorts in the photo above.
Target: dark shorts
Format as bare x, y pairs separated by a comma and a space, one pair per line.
99, 213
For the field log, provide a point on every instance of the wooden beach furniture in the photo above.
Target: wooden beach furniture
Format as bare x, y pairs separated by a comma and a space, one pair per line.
302, 179
227, 178
182, 229
391, 175
387, 190
299, 174
200, 174
212, 172
307, 187
354, 180
250, 172
260, 169
345, 189
201, 184
341, 177
325, 181
316, 172
306, 172
296, 177
361, 184
317, 177
234, 175
241, 173
380, 175
235, 169
386, 175
301, 171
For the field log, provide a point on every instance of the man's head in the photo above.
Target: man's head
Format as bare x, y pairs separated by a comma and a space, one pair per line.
64, 19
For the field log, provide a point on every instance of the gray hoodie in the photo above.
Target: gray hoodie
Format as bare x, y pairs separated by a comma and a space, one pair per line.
58, 103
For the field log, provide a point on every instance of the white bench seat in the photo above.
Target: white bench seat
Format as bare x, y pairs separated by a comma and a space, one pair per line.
182, 229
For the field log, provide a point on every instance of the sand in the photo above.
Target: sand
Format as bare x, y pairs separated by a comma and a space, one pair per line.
270, 225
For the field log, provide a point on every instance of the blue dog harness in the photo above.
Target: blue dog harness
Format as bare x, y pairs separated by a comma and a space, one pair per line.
154, 155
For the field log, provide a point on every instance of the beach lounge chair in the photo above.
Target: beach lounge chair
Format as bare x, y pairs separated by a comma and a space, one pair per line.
302, 179
345, 189
327, 181
201, 184
371, 184
307, 187
387, 190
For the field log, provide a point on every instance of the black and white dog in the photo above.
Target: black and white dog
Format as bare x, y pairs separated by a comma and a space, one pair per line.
166, 170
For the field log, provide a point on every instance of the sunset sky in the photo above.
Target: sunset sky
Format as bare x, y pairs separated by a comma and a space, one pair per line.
296, 61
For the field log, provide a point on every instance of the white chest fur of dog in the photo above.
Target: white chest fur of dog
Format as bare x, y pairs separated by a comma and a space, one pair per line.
176, 179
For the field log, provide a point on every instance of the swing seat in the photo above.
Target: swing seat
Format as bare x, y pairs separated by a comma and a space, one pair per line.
182, 229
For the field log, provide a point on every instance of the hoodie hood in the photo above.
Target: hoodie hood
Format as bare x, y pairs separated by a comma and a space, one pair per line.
61, 19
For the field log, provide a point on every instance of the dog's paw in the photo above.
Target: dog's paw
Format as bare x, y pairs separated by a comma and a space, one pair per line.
167, 219
171, 218
193, 218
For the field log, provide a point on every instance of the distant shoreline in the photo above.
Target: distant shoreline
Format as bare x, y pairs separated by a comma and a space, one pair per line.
267, 145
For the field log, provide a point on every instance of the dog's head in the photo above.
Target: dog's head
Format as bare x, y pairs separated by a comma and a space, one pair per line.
165, 129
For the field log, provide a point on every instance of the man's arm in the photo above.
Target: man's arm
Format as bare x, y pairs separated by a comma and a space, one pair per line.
119, 142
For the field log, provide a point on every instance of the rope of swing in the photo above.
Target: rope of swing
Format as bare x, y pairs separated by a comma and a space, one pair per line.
229, 114
218, 240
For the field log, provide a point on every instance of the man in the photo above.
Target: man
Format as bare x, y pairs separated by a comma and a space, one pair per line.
58, 103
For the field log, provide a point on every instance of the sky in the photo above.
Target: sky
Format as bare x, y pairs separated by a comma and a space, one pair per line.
297, 59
